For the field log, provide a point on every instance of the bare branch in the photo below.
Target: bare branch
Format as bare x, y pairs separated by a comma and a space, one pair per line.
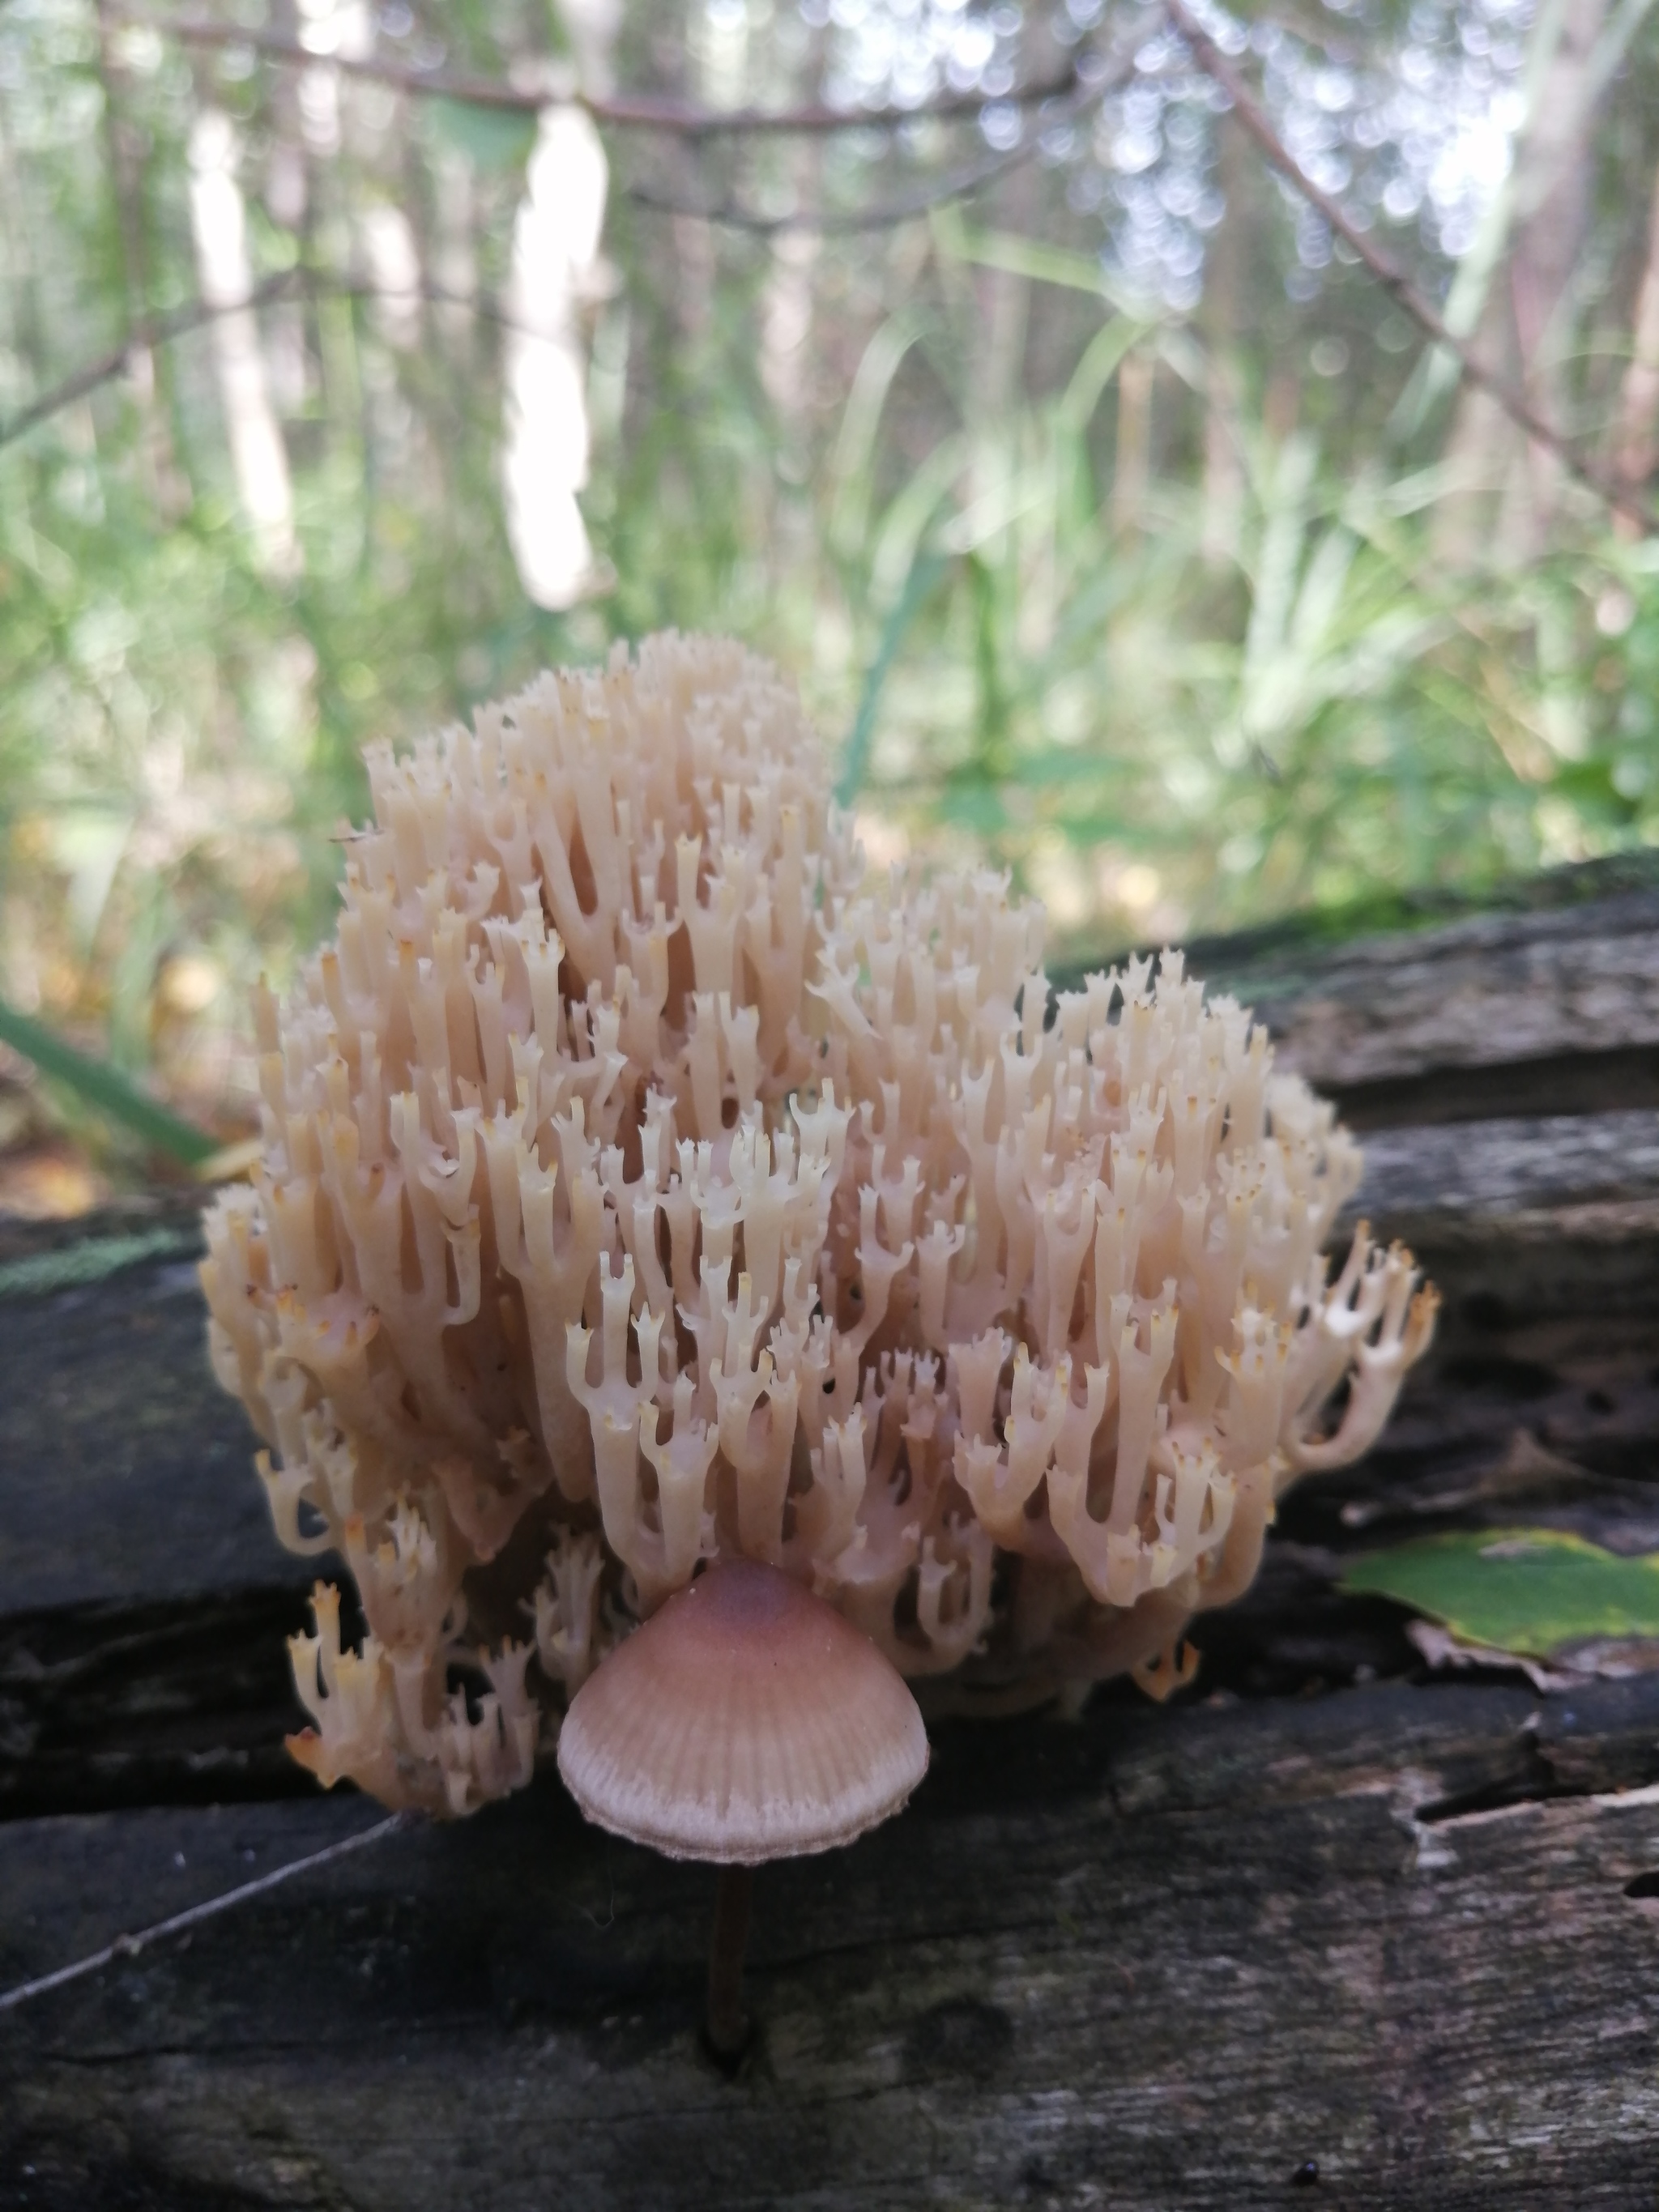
1621, 496
150, 331
308, 283
900, 207
877, 215
625, 110
291, 284
128, 1946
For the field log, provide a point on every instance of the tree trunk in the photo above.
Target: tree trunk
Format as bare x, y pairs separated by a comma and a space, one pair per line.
1131, 463
1221, 317
123, 151
1637, 449
556, 268
1509, 488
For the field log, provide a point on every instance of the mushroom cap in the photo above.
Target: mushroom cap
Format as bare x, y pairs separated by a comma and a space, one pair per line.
746, 1720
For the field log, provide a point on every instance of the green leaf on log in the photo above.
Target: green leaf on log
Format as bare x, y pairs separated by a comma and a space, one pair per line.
1533, 1591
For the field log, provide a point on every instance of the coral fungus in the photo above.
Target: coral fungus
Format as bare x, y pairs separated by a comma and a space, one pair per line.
642, 1185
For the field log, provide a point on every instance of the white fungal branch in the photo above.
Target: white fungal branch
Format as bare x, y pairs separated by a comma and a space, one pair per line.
641, 1186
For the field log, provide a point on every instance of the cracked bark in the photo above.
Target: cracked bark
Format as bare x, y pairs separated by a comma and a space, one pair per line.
1323, 1908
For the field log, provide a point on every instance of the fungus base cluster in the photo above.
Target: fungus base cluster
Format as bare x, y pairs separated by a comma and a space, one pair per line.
643, 1186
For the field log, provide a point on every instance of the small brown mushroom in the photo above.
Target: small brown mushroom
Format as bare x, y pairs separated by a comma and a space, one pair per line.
747, 1720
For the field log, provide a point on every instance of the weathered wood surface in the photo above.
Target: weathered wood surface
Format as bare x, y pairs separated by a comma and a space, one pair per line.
1552, 1008
1156, 1959
1327, 1907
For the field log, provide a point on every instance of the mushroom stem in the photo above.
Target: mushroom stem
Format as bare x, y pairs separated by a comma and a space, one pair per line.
728, 2030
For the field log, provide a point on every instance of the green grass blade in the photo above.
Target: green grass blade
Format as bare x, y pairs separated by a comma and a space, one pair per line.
42, 1274
919, 584
105, 1089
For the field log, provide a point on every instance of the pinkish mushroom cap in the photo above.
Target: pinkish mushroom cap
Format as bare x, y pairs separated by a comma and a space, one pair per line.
746, 1720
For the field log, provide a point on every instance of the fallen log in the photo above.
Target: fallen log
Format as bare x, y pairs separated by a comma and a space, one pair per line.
1327, 1909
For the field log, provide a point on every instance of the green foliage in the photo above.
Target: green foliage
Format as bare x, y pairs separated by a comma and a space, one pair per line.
1060, 573
1533, 1591
495, 140
104, 1090
1311, 713
43, 1274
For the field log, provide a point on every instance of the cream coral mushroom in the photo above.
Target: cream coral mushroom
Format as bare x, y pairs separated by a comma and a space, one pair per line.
641, 1186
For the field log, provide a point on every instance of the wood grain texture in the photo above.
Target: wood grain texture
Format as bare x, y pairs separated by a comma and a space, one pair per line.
1490, 991
1154, 1959
127, 1472
145, 1603
1324, 1907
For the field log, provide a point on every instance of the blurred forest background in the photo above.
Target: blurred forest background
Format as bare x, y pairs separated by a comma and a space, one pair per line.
1115, 520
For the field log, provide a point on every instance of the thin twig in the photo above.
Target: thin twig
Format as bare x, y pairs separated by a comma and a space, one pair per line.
298, 283
301, 283
1623, 498
901, 207
128, 1946
876, 215
147, 331
626, 111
